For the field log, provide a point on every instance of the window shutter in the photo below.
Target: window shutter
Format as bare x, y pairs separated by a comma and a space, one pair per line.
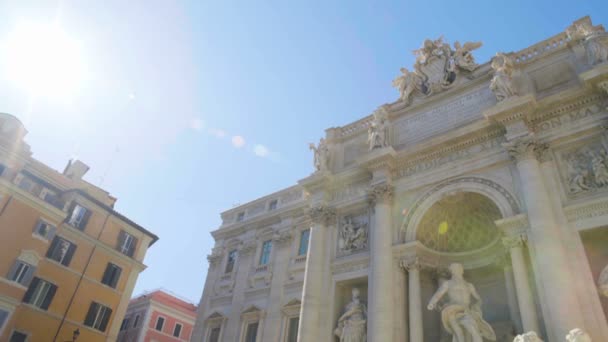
3, 317
52, 232
71, 211
69, 255
89, 320
49, 297
85, 219
28, 276
121, 239
30, 291
52, 247
132, 247
13, 270
105, 319
106, 275
116, 276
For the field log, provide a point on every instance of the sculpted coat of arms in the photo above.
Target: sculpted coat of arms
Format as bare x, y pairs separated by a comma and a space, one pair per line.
437, 67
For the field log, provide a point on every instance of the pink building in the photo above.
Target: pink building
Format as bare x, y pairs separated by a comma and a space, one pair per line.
157, 316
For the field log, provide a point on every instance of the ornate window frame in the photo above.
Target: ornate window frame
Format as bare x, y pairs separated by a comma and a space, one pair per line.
250, 315
289, 310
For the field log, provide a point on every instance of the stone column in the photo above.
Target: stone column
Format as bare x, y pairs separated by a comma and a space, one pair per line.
416, 328
380, 311
525, 300
272, 325
199, 327
563, 311
312, 294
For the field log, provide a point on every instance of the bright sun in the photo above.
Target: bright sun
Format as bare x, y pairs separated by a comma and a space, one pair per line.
43, 60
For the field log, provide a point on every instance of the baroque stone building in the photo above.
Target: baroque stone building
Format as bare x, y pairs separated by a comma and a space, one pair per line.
498, 169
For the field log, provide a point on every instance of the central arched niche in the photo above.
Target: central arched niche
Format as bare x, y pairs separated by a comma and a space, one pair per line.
458, 223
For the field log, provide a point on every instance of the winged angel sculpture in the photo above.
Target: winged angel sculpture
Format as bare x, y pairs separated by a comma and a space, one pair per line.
436, 68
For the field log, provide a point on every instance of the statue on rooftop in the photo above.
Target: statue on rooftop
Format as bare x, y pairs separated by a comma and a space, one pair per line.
502, 83
377, 134
321, 155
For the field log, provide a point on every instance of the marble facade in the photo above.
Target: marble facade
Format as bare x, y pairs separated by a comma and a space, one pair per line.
501, 167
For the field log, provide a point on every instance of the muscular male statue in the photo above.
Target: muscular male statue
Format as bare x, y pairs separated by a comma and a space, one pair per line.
461, 318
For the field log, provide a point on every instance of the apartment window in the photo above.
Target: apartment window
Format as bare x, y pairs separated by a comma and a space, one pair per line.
252, 332
79, 216
214, 335
111, 275
265, 255
240, 216
177, 330
273, 205
3, 318
230, 262
61, 250
44, 230
98, 316
18, 336
304, 237
126, 243
40, 293
24, 183
160, 322
292, 332
125, 324
21, 273
135, 321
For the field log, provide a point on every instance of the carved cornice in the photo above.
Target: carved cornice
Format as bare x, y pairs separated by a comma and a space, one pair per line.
214, 259
248, 248
322, 215
513, 109
587, 210
525, 148
380, 194
415, 262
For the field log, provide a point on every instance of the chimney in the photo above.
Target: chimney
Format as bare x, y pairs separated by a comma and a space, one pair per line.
75, 169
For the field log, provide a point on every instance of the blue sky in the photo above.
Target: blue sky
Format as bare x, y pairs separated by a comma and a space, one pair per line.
179, 96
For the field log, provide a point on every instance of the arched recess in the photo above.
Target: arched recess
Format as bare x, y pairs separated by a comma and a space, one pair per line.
504, 201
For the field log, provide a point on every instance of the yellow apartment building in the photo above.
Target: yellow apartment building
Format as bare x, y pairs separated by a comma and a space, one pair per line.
68, 260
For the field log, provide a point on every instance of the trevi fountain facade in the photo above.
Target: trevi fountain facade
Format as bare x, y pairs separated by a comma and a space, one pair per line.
473, 208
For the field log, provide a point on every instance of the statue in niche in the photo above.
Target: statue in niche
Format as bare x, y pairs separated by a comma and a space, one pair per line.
352, 324
592, 38
527, 337
377, 134
502, 83
460, 317
321, 155
352, 235
578, 335
602, 282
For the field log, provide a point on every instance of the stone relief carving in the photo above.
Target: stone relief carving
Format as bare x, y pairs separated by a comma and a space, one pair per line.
461, 317
527, 337
502, 83
321, 155
436, 68
578, 335
352, 235
352, 324
602, 282
587, 167
594, 39
377, 134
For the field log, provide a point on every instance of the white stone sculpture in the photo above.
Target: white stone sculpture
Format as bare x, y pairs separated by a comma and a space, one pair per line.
321, 155
593, 38
527, 337
377, 134
352, 324
578, 335
461, 317
587, 168
436, 68
463, 58
602, 282
352, 235
502, 83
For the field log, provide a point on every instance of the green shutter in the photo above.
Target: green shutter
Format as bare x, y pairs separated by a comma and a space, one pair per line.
90, 318
49, 297
107, 312
30, 291
68, 256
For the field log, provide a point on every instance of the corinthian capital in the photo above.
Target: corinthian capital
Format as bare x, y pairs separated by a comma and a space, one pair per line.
322, 214
381, 193
514, 241
410, 263
526, 148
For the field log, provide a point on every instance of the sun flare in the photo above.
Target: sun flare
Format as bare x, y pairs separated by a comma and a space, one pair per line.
43, 60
